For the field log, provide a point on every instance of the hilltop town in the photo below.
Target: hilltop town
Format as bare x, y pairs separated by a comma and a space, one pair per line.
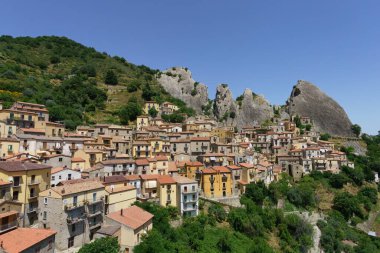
80, 185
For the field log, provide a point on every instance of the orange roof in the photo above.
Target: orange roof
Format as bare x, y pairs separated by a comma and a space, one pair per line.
194, 164
132, 177
243, 182
165, 179
233, 167
123, 188
172, 167
246, 165
133, 217
221, 169
149, 177
77, 159
4, 182
6, 214
142, 162
32, 130
22, 239
56, 169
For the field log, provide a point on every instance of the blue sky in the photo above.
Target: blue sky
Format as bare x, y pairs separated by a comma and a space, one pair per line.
262, 45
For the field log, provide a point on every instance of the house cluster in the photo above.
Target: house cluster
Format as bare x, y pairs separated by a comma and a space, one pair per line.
67, 188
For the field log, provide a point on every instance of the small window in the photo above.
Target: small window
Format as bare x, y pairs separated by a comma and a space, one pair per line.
45, 201
53, 178
60, 159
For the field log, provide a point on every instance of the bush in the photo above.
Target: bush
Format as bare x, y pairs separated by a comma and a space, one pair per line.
217, 211
338, 180
347, 205
111, 78
129, 112
103, 245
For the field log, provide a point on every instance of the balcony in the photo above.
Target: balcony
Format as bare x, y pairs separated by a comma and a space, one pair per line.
31, 209
94, 213
16, 185
69, 207
95, 201
33, 197
189, 191
190, 200
93, 225
8, 226
33, 182
73, 220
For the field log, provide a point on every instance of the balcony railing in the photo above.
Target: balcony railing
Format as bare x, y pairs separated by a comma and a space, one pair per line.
73, 220
94, 201
190, 200
33, 197
32, 209
93, 213
95, 224
69, 207
33, 182
189, 191
8, 226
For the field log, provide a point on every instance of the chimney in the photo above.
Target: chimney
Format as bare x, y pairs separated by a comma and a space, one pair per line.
121, 212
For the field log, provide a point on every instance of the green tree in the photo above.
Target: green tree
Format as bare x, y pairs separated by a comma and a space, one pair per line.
103, 245
356, 129
218, 212
347, 205
153, 112
129, 112
338, 180
111, 78
325, 137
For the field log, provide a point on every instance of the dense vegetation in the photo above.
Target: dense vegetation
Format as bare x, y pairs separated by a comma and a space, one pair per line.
77, 83
102, 245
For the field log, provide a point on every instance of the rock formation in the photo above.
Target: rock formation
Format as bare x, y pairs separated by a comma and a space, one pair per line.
329, 117
179, 83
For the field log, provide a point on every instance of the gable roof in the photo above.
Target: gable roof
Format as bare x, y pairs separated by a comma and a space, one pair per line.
22, 166
133, 217
21, 239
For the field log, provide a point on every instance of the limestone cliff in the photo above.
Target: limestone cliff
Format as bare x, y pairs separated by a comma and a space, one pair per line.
329, 117
225, 109
179, 83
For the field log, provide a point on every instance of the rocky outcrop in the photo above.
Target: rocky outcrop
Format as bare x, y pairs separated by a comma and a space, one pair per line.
224, 107
179, 83
251, 110
255, 109
329, 117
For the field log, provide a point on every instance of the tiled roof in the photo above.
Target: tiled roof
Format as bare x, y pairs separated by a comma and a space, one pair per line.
165, 179
123, 188
77, 160
21, 166
142, 162
76, 186
113, 179
22, 239
133, 217
132, 177
183, 180
117, 161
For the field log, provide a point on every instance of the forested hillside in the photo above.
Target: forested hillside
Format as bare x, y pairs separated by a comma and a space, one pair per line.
78, 84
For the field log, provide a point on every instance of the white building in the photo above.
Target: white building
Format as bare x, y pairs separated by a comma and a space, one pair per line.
60, 174
187, 196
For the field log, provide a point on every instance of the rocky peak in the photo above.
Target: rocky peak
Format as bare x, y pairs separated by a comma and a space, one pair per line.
224, 103
179, 83
306, 99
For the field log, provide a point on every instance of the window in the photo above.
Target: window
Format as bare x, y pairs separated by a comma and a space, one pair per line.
10, 148
94, 196
52, 178
75, 200
73, 227
70, 242
60, 177
44, 217
45, 201
60, 159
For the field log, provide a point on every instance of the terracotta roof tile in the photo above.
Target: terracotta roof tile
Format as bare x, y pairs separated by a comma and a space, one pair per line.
165, 179
133, 217
22, 239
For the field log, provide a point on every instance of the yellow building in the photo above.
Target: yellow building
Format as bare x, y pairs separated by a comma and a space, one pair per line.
225, 134
78, 163
119, 197
158, 165
7, 130
52, 129
141, 149
216, 182
190, 169
90, 156
142, 121
167, 191
9, 146
28, 180
151, 104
